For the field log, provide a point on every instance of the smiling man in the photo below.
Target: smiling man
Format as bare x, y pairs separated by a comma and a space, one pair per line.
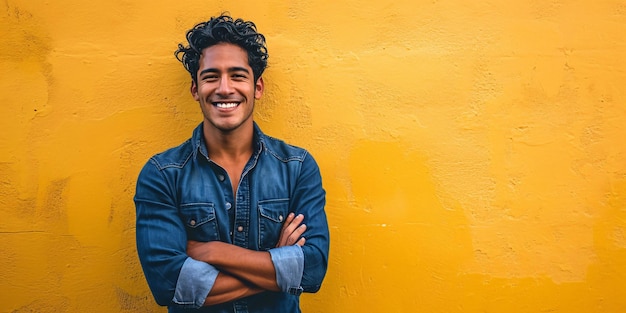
232, 220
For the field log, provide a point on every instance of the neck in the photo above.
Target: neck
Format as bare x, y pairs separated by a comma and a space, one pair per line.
229, 145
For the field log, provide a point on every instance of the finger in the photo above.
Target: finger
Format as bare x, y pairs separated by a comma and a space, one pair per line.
287, 222
296, 234
289, 228
291, 223
283, 231
289, 218
297, 220
287, 236
301, 242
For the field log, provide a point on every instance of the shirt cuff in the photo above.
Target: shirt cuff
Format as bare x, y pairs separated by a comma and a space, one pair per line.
289, 265
194, 283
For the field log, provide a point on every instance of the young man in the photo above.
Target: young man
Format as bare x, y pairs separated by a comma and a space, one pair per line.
231, 220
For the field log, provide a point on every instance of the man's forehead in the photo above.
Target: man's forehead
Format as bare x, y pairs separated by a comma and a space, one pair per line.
224, 55
224, 48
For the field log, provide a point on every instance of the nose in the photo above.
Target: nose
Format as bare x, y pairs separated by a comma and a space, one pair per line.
225, 86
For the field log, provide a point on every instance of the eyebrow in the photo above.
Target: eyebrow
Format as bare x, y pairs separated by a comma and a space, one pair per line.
230, 70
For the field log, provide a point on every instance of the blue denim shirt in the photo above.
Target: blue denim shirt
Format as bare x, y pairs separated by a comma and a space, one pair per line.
182, 195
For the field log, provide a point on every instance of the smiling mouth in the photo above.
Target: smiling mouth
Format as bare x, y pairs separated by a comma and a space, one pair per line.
226, 105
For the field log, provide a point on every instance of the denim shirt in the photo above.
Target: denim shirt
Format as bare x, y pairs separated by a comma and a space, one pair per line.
182, 195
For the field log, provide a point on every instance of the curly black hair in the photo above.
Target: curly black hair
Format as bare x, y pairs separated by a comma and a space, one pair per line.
223, 29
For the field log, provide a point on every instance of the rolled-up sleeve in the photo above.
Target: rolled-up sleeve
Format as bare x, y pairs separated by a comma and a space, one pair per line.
194, 283
289, 265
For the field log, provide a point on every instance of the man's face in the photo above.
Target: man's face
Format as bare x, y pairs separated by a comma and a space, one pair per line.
226, 89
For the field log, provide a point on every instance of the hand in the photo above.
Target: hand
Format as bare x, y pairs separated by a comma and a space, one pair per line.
292, 231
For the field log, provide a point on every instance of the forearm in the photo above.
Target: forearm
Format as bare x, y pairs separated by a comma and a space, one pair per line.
255, 267
229, 288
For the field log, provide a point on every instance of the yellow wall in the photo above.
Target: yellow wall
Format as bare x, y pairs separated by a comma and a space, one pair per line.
473, 152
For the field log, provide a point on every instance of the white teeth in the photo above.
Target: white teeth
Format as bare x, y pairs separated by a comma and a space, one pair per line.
226, 105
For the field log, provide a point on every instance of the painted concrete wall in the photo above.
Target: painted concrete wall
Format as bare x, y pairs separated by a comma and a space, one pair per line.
473, 152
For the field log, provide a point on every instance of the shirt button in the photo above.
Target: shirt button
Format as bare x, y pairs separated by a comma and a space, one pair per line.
228, 205
192, 222
220, 177
280, 218
240, 228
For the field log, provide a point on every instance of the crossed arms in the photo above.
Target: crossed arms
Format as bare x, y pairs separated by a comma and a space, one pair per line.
244, 272
182, 273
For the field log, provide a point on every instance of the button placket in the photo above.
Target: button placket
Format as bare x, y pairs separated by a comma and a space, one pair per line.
242, 213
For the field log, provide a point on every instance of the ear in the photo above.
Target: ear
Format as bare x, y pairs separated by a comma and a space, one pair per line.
258, 88
194, 90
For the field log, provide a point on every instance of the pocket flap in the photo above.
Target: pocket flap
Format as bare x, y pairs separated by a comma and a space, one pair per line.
197, 214
275, 210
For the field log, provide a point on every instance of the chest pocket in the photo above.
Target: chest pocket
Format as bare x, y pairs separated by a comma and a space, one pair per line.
272, 214
200, 221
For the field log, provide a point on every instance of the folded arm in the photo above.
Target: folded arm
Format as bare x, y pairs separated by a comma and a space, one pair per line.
307, 264
228, 288
244, 272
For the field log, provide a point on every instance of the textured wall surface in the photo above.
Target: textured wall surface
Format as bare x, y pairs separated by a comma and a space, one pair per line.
473, 152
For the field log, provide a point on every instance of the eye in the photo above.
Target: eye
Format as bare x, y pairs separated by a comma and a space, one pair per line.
239, 76
210, 77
